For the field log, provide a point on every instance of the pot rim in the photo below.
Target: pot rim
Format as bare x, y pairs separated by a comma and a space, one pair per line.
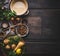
21, 13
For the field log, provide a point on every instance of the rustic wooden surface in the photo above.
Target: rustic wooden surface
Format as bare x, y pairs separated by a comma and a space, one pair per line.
43, 38
43, 23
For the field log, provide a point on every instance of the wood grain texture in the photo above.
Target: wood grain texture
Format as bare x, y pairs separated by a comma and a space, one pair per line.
42, 48
43, 37
43, 23
44, 4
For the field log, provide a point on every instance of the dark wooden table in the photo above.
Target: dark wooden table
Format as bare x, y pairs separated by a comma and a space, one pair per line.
43, 38
43, 23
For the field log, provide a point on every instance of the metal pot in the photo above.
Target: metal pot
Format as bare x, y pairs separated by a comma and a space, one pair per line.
21, 8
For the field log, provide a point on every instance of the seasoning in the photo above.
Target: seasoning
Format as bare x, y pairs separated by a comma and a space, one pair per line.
12, 29
5, 25
22, 29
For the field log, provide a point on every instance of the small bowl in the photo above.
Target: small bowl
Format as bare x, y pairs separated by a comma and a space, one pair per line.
21, 8
5, 25
22, 32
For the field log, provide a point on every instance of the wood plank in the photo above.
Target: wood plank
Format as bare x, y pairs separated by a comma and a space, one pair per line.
42, 48
43, 25
44, 4
41, 54
44, 12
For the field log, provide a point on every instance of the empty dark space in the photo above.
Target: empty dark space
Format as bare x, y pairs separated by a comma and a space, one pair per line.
43, 21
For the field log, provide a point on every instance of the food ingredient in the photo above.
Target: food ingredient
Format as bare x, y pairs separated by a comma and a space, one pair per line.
18, 51
20, 44
22, 29
7, 47
6, 41
6, 14
13, 46
12, 18
17, 19
11, 43
4, 25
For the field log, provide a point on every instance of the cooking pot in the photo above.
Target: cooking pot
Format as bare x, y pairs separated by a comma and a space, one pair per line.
19, 6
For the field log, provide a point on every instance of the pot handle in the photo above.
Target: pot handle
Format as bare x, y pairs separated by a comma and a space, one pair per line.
27, 12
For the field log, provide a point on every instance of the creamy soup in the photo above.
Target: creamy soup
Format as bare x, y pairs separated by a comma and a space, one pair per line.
19, 7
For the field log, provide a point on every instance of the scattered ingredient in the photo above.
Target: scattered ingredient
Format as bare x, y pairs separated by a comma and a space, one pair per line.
18, 19
6, 41
12, 18
22, 29
5, 25
6, 14
18, 51
21, 43
7, 47
15, 20
13, 46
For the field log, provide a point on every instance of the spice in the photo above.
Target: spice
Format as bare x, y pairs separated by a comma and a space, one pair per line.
5, 25
22, 29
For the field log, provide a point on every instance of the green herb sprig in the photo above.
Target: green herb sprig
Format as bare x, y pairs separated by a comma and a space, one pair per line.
6, 14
